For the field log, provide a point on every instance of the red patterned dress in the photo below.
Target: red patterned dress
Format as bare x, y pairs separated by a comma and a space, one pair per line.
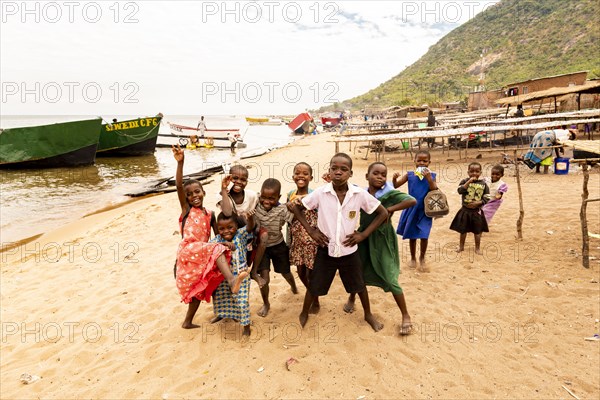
197, 272
302, 249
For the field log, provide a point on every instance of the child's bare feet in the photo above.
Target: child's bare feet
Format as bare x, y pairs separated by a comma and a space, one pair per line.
460, 249
478, 251
315, 307
423, 266
216, 319
303, 318
237, 281
189, 325
246, 331
406, 328
259, 279
264, 310
376, 325
349, 306
412, 263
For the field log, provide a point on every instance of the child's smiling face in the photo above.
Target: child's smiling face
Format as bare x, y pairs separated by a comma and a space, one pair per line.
302, 176
496, 175
194, 194
227, 228
269, 198
239, 179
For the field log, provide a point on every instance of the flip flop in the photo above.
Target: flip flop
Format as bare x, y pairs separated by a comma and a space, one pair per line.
406, 329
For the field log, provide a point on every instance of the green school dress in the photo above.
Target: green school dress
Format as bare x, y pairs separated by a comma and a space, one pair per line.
379, 252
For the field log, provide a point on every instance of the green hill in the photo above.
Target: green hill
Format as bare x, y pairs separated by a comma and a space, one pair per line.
511, 41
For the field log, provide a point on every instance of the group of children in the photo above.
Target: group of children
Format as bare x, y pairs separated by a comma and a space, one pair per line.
324, 238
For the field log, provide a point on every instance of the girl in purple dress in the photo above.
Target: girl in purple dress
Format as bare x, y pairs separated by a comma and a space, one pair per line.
414, 224
497, 188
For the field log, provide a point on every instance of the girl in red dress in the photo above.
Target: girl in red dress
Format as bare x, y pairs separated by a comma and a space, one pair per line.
201, 266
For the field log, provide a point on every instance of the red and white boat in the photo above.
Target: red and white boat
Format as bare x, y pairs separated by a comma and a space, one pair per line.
301, 124
331, 119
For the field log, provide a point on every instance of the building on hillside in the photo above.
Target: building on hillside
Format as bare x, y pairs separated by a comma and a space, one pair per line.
486, 99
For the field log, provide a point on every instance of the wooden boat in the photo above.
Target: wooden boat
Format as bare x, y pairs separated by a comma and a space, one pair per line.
213, 138
301, 124
257, 120
135, 137
330, 121
264, 121
65, 144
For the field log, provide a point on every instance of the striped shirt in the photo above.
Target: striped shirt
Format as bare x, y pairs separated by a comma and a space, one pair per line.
273, 221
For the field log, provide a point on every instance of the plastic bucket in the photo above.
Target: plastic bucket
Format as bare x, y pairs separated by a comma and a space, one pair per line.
405, 145
561, 166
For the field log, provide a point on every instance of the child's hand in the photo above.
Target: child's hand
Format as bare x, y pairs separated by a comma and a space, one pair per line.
353, 238
177, 153
319, 237
426, 173
225, 182
249, 214
326, 177
230, 245
396, 175
473, 204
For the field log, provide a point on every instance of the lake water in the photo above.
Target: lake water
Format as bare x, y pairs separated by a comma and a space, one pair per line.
36, 201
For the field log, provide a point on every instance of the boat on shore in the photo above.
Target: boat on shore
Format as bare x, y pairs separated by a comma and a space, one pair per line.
187, 135
134, 137
65, 144
331, 120
302, 124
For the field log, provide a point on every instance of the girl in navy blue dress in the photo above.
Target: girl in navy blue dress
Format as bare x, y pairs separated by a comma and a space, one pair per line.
414, 224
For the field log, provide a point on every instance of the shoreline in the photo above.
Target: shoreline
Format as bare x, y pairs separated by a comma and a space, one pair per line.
107, 320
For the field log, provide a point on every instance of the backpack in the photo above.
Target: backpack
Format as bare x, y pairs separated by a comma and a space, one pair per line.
436, 204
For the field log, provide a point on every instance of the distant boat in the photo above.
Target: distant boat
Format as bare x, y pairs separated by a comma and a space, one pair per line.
65, 144
331, 120
182, 135
302, 124
257, 120
135, 137
264, 121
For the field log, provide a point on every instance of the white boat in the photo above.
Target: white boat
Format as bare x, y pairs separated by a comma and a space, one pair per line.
213, 138
189, 131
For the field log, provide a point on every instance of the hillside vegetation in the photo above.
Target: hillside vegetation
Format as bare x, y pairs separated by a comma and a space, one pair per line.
511, 41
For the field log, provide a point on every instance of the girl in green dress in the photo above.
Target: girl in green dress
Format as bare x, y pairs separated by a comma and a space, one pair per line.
379, 252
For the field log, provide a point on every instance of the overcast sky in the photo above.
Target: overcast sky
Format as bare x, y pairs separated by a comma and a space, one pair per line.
192, 57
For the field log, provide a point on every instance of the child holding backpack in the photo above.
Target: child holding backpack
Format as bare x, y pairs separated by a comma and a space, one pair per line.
414, 224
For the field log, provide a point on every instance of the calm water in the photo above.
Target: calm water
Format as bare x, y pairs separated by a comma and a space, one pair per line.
36, 201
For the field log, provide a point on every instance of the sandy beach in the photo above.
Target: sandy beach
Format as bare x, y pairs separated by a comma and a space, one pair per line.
93, 310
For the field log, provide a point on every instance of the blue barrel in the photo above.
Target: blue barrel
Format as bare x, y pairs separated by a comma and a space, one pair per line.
561, 166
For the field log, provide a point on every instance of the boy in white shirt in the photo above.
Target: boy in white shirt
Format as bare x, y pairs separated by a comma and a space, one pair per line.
339, 205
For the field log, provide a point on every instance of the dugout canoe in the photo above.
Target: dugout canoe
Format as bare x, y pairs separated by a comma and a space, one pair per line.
134, 137
65, 144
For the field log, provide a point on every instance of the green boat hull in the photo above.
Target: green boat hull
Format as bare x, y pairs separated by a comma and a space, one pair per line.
65, 144
135, 137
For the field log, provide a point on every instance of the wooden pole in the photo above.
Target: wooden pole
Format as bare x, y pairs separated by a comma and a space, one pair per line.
585, 247
521, 210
